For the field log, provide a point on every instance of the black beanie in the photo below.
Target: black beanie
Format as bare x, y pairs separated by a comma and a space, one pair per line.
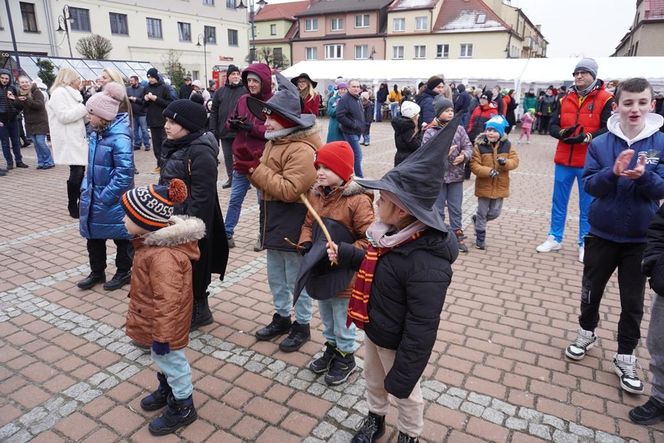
434, 81
231, 69
152, 72
186, 113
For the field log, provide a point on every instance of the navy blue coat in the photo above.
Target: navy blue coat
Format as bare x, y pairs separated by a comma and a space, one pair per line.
350, 114
110, 174
623, 208
425, 100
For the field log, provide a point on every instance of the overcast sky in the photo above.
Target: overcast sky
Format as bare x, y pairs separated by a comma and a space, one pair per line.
575, 28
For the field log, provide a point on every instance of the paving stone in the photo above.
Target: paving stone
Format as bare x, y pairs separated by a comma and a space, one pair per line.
324, 430
449, 401
555, 422
483, 400
472, 408
603, 437
541, 431
516, 424
493, 415
581, 431
564, 437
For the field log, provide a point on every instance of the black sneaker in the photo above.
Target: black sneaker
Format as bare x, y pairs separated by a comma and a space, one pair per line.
227, 184
322, 363
22, 165
373, 428
178, 414
91, 280
340, 369
405, 438
649, 413
119, 280
278, 326
299, 334
158, 399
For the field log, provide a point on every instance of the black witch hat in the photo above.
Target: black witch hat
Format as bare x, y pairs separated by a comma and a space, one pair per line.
285, 102
417, 181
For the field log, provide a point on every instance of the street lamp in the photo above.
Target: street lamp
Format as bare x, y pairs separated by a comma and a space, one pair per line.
205, 39
252, 17
63, 21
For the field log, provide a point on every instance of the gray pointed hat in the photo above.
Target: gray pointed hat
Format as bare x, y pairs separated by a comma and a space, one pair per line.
285, 102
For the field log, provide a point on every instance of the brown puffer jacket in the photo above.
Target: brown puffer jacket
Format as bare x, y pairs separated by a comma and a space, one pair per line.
485, 158
351, 205
161, 290
34, 111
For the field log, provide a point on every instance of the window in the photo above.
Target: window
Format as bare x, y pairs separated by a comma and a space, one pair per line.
230, 4
399, 24
210, 35
311, 24
362, 21
362, 51
184, 31
195, 75
481, 19
232, 37
466, 50
421, 23
420, 51
80, 19
397, 52
337, 24
118, 23
29, 17
208, 2
311, 53
273, 29
442, 51
334, 52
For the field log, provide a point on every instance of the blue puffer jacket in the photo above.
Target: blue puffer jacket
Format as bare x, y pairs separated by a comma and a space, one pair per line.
110, 174
623, 208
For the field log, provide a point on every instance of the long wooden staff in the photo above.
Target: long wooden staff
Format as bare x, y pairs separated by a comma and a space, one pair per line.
316, 217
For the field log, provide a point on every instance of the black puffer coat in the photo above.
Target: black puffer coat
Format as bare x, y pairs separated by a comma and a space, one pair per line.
404, 140
154, 109
407, 296
653, 255
193, 159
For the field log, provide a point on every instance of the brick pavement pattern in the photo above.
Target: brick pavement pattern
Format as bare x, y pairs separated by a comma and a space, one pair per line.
497, 373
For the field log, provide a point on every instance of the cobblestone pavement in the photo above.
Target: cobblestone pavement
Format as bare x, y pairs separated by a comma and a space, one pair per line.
497, 373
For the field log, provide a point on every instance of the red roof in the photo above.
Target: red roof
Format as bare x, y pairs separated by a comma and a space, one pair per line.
462, 15
281, 11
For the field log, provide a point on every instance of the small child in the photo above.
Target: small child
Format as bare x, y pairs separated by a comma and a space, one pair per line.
337, 197
493, 158
527, 121
368, 108
451, 194
161, 296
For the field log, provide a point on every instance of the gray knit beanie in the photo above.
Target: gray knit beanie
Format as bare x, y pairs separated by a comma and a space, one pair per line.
588, 65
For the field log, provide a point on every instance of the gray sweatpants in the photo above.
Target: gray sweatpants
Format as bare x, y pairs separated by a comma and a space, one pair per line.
487, 209
656, 347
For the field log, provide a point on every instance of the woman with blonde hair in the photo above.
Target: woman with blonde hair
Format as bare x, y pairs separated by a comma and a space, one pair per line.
310, 98
66, 120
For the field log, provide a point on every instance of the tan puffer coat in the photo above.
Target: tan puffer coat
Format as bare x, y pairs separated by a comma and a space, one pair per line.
484, 159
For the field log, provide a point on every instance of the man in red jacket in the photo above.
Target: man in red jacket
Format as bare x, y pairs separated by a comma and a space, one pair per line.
580, 116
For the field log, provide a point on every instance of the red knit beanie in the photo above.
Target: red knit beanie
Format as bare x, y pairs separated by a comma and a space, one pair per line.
337, 157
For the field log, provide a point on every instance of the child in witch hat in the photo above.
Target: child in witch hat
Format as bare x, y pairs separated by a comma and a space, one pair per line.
337, 197
493, 159
283, 173
161, 302
401, 285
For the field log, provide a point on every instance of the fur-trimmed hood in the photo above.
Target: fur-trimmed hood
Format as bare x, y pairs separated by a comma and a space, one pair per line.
298, 135
183, 231
346, 190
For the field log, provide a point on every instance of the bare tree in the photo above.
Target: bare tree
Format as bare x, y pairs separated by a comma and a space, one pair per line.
267, 56
94, 47
173, 68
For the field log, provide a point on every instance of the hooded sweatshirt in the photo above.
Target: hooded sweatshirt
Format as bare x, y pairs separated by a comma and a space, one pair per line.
622, 208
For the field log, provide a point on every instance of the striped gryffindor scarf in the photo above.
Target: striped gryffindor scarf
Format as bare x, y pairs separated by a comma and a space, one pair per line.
359, 300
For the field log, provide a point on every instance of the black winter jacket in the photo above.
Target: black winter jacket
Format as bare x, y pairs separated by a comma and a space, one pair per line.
223, 103
425, 100
137, 105
404, 140
350, 114
462, 103
154, 109
407, 296
9, 109
653, 255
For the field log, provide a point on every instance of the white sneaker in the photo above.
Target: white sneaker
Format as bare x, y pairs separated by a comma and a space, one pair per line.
625, 367
549, 245
585, 340
582, 251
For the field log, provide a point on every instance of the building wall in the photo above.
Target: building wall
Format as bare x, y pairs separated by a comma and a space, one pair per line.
325, 25
299, 48
263, 29
32, 42
285, 49
485, 44
649, 37
410, 17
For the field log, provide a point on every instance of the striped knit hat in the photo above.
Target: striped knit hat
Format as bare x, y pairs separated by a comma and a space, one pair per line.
151, 207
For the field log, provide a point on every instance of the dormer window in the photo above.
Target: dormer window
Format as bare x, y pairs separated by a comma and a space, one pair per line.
480, 19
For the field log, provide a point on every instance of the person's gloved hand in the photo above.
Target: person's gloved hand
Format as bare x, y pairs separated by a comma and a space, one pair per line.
501, 161
234, 123
160, 348
245, 126
568, 131
493, 173
243, 166
576, 139
305, 247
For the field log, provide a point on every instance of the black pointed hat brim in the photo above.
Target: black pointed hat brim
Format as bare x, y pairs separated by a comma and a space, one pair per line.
294, 80
417, 181
259, 108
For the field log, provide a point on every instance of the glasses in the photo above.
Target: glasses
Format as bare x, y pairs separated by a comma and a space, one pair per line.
575, 73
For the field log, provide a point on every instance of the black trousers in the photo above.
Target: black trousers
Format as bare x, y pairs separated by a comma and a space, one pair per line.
544, 121
97, 255
158, 136
76, 174
602, 257
227, 149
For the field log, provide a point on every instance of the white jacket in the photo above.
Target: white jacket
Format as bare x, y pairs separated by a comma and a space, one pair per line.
66, 113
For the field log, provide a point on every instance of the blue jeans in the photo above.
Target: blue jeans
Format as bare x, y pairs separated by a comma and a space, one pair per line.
44, 157
562, 186
451, 195
282, 270
9, 132
333, 313
239, 187
378, 112
354, 142
141, 132
175, 367
394, 110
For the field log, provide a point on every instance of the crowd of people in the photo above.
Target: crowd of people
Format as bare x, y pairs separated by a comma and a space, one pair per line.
386, 269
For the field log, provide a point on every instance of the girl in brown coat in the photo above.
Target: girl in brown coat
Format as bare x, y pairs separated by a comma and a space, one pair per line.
336, 196
493, 158
161, 295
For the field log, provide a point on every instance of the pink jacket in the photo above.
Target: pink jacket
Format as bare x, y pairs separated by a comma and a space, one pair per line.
527, 121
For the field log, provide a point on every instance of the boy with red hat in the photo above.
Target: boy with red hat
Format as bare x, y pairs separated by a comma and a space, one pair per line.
337, 197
